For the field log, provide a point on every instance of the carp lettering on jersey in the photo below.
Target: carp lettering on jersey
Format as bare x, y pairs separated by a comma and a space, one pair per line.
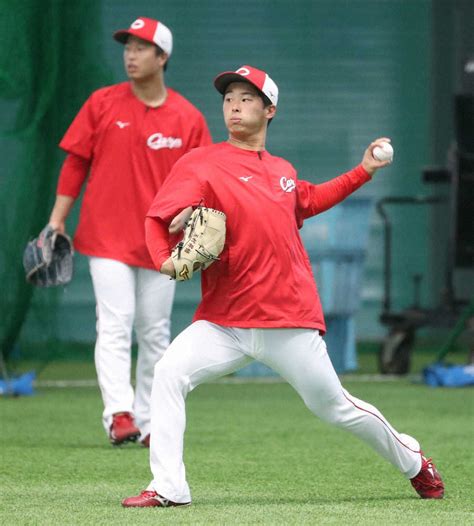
287, 185
157, 141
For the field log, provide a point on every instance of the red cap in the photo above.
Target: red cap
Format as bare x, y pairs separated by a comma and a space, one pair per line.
255, 76
150, 30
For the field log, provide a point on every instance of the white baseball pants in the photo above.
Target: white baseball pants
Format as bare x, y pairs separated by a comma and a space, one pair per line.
129, 297
205, 351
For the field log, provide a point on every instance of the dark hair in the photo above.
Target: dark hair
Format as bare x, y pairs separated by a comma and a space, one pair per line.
266, 101
159, 52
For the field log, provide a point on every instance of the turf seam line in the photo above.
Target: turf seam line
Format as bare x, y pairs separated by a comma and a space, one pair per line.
376, 378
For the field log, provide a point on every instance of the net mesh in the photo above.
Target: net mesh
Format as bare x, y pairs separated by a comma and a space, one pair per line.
50, 60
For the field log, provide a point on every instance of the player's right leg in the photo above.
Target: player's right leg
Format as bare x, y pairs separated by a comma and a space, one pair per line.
154, 300
114, 288
202, 352
300, 356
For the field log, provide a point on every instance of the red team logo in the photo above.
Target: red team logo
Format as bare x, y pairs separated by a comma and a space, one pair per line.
243, 71
138, 24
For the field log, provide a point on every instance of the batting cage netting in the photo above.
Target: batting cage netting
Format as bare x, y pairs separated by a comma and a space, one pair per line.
50, 60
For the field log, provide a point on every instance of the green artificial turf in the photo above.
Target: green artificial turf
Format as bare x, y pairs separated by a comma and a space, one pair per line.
254, 455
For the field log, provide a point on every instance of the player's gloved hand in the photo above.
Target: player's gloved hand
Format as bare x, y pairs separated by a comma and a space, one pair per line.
203, 241
48, 259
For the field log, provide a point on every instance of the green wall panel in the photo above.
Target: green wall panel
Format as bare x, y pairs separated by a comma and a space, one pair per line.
348, 71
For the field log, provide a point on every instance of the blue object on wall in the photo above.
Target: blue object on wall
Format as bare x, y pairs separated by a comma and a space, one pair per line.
336, 241
341, 343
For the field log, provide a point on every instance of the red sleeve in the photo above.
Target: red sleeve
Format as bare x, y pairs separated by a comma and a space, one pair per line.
157, 240
72, 176
313, 199
79, 138
182, 188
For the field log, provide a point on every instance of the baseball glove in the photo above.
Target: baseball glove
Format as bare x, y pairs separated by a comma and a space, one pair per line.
203, 241
48, 259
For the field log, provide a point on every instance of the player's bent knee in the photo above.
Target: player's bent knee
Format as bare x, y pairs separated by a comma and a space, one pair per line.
163, 370
168, 376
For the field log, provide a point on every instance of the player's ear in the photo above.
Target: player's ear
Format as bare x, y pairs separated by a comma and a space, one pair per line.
163, 58
270, 111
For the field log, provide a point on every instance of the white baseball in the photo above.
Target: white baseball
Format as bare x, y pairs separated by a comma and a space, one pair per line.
384, 152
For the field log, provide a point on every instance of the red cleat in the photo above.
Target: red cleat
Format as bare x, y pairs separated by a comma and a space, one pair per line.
150, 499
428, 483
146, 441
123, 429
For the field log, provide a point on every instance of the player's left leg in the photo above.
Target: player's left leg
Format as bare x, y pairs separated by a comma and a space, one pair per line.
114, 289
202, 352
300, 356
154, 301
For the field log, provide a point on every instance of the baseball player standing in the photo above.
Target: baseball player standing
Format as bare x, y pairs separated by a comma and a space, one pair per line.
259, 301
127, 137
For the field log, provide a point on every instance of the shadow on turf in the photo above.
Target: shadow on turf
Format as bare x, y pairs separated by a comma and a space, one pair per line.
132, 448
271, 501
106, 447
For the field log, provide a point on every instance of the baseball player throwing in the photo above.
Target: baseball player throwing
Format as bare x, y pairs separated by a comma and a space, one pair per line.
259, 300
127, 137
